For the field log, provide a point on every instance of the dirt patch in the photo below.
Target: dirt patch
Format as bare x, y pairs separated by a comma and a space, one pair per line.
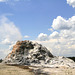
13, 70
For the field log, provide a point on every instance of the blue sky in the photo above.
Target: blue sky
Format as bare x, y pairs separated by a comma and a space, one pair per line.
39, 20
35, 16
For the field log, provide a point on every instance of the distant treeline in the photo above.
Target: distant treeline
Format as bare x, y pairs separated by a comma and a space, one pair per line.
1, 60
73, 58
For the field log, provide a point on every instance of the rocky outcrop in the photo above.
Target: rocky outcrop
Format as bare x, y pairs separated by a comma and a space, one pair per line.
61, 62
34, 54
27, 53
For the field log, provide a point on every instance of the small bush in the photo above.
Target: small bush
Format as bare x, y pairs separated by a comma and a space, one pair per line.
1, 60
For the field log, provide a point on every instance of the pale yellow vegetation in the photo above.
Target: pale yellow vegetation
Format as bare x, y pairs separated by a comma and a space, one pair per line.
13, 70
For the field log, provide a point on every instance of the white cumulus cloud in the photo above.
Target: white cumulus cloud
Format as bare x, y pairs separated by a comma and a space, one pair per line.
61, 23
71, 3
61, 41
26, 36
42, 37
55, 34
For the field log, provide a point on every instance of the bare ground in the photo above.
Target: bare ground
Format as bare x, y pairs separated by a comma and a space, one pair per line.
14, 70
60, 71
55, 71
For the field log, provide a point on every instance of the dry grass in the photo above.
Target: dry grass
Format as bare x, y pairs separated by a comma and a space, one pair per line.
25, 70
12, 70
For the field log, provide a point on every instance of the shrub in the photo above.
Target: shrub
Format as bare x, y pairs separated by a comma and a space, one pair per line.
73, 58
1, 60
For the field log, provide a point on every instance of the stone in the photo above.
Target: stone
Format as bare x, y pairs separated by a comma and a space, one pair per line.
34, 54
27, 53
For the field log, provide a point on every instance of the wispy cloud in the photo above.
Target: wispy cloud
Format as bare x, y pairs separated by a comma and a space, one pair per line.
12, 0
26, 36
9, 34
3, 0
8, 30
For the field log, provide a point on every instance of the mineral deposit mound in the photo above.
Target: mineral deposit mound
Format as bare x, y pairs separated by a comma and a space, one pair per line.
34, 54
27, 53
